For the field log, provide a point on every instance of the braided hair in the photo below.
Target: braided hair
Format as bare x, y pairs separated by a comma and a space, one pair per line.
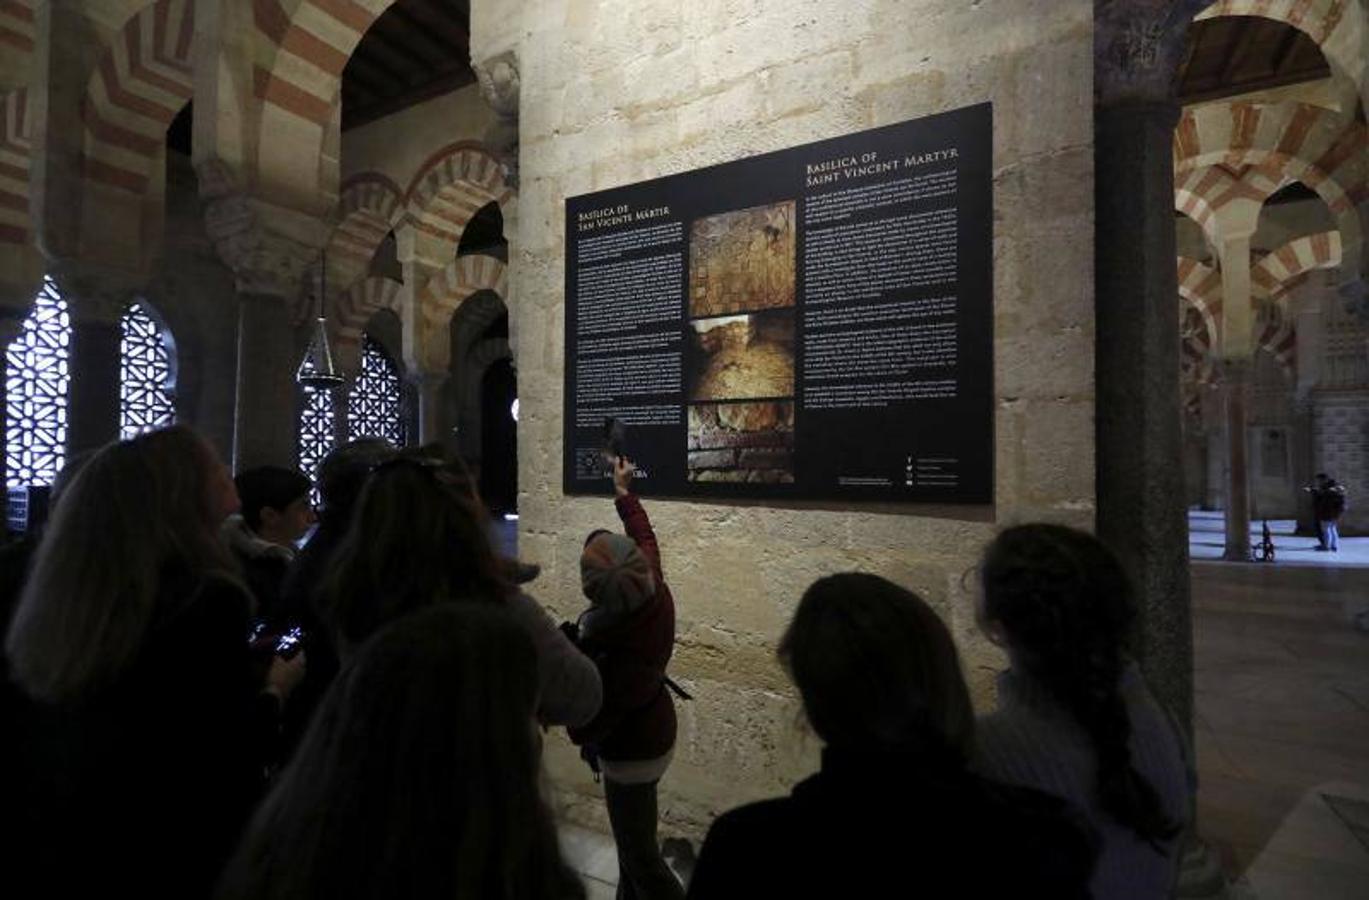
1066, 608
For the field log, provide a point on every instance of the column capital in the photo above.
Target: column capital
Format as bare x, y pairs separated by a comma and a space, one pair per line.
500, 85
1138, 45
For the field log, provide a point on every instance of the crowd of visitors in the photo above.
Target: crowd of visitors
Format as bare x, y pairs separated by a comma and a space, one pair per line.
193, 706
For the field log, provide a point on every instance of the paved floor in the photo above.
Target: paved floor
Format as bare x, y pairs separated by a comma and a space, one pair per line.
1207, 540
1282, 697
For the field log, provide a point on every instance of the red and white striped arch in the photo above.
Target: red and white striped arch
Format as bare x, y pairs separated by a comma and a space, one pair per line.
369, 208
354, 309
143, 80
18, 29
449, 288
1203, 192
1277, 272
304, 46
450, 188
1337, 26
1285, 142
15, 160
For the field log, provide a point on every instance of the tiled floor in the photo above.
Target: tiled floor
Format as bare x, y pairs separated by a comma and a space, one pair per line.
1207, 540
1282, 697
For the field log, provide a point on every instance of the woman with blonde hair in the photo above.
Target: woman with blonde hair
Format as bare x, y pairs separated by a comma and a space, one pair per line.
140, 760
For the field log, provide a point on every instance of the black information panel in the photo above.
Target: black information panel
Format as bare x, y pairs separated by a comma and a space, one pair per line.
815, 323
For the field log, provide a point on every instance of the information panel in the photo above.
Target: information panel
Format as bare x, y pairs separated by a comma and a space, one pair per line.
815, 323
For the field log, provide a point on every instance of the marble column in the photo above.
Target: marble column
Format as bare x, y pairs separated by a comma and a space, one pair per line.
93, 398
265, 419
1236, 395
1139, 433
432, 422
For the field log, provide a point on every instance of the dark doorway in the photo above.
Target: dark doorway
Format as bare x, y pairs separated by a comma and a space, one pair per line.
499, 438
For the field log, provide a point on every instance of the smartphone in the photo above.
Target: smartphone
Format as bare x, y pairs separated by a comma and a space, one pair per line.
288, 644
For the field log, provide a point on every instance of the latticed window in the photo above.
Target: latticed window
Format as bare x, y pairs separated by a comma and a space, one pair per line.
144, 375
317, 431
36, 379
375, 404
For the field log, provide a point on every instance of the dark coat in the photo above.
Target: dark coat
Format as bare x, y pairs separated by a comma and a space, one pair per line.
142, 789
1328, 503
299, 606
870, 825
637, 719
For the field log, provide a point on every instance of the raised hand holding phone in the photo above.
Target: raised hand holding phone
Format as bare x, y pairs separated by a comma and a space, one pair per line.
623, 470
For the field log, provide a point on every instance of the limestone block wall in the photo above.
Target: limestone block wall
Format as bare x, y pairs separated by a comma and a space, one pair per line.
398, 145
624, 90
1342, 449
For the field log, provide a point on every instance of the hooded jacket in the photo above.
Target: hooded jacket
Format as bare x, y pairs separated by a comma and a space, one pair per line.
632, 650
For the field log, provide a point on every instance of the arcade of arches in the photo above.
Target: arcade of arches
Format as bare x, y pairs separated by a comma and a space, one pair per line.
1181, 319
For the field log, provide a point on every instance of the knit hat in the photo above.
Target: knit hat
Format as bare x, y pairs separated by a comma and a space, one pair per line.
614, 574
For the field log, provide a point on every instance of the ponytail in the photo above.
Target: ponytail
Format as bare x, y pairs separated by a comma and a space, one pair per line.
1066, 608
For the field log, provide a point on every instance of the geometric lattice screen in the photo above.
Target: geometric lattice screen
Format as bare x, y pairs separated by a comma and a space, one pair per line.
144, 375
36, 379
375, 405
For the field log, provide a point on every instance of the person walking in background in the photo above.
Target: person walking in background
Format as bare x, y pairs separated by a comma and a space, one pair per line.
629, 631
1075, 717
895, 809
148, 743
418, 778
1328, 505
276, 514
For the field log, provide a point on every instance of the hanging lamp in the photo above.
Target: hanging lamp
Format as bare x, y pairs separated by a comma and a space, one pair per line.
316, 370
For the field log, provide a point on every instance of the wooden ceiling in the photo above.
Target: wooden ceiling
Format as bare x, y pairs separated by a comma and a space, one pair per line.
416, 50
1231, 55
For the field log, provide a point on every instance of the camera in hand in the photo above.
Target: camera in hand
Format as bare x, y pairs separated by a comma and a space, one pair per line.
286, 645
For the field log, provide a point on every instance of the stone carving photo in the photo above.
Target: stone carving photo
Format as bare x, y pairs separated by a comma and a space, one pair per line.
741, 357
742, 442
742, 261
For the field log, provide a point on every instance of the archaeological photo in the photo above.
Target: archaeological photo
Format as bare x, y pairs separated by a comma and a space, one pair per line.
740, 357
742, 261
742, 442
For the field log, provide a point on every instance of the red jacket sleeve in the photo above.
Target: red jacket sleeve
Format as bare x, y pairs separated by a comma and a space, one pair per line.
638, 527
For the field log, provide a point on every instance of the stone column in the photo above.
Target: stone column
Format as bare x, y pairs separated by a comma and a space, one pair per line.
1236, 394
432, 422
93, 402
264, 427
1139, 435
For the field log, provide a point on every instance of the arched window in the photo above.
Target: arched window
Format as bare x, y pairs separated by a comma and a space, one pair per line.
36, 379
374, 404
317, 431
146, 375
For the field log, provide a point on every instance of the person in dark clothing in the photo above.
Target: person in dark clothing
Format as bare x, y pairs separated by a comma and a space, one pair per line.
143, 749
276, 513
895, 809
418, 778
341, 477
629, 631
418, 538
1328, 505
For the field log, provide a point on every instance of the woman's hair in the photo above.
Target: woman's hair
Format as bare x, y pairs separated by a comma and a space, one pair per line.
416, 538
1065, 608
418, 777
877, 669
136, 509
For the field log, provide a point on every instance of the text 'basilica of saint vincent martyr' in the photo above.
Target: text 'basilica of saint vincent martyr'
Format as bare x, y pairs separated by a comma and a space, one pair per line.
891, 287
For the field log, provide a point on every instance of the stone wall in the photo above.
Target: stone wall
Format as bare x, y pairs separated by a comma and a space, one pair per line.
398, 145
617, 92
1342, 450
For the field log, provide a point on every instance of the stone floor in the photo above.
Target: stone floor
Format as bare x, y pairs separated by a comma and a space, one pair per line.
1207, 540
1282, 721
